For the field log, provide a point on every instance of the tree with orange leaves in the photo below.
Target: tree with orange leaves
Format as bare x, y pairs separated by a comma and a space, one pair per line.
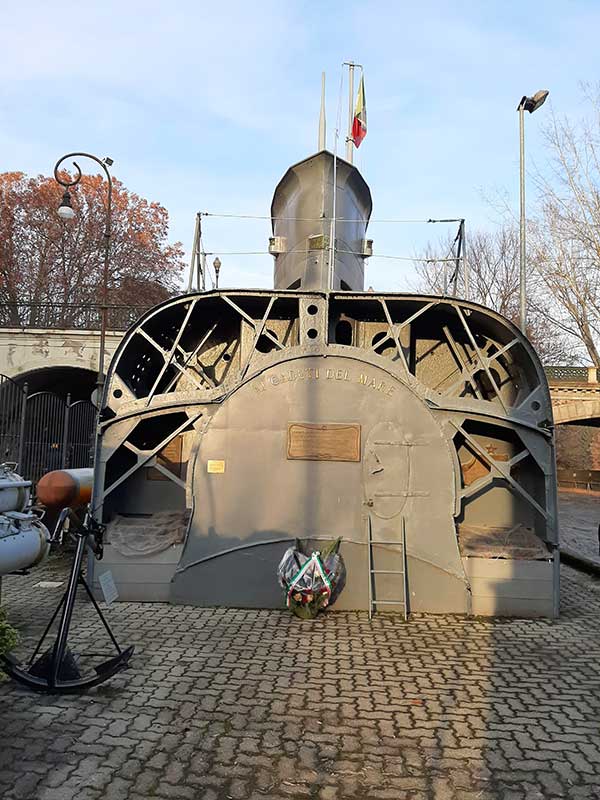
44, 260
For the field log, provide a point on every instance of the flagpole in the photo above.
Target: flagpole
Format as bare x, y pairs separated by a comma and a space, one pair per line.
349, 142
332, 227
332, 231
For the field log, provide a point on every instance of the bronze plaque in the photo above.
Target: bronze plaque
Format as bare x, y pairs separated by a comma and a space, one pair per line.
332, 442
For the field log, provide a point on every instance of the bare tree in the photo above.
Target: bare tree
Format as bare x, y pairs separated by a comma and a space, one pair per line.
564, 241
493, 258
563, 253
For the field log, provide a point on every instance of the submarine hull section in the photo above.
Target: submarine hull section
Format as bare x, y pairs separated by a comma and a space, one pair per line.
236, 421
317, 448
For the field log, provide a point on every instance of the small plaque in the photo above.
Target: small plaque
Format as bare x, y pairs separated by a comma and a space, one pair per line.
330, 442
216, 467
109, 590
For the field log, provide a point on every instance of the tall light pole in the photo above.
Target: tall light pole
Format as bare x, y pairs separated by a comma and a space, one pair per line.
530, 104
65, 212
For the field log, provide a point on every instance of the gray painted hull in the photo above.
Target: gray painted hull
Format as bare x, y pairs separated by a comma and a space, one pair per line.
214, 438
303, 413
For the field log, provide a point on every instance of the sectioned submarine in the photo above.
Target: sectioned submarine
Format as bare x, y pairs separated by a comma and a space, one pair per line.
416, 428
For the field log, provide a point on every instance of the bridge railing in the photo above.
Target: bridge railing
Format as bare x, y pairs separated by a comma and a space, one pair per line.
67, 316
572, 374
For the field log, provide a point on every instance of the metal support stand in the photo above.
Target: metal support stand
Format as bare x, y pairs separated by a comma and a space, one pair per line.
56, 670
461, 260
198, 260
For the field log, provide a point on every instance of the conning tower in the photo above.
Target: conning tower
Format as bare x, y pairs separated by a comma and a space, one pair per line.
302, 209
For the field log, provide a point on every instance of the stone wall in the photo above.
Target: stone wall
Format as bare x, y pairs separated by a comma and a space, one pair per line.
578, 447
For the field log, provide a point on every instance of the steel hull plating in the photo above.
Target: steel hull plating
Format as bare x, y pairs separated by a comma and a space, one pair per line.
258, 417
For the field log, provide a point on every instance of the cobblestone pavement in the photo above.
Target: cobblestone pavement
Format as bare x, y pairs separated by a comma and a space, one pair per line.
257, 704
579, 520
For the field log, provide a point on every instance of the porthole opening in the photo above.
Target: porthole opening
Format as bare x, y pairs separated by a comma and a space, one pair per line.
118, 393
312, 309
312, 333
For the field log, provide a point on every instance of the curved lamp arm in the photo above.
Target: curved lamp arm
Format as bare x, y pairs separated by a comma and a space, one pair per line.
104, 163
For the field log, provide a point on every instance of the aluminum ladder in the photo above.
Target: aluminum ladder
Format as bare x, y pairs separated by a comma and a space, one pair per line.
373, 602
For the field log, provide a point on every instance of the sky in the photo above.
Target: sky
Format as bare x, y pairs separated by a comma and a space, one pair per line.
204, 105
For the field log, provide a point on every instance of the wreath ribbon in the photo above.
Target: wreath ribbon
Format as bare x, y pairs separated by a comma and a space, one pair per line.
313, 560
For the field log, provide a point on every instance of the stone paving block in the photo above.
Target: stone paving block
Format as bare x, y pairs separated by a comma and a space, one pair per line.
225, 704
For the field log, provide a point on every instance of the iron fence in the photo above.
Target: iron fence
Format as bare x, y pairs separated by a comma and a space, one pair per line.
43, 431
68, 316
588, 479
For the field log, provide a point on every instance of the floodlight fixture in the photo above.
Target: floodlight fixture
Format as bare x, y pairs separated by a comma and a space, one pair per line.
532, 104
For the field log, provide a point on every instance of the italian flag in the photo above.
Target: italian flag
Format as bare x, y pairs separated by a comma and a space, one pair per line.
359, 123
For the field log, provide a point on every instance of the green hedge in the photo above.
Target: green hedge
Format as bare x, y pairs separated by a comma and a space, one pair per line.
8, 635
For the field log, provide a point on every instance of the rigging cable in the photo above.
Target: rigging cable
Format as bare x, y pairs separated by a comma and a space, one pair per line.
345, 252
324, 219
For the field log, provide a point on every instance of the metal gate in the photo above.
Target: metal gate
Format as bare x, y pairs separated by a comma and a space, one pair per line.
43, 446
12, 419
43, 431
81, 427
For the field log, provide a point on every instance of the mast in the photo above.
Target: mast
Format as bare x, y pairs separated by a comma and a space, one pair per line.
197, 262
322, 122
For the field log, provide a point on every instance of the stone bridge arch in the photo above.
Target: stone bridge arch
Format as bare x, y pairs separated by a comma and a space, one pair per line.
577, 411
48, 359
575, 394
62, 380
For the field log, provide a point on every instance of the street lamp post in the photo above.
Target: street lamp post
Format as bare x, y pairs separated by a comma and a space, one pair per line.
65, 212
530, 104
